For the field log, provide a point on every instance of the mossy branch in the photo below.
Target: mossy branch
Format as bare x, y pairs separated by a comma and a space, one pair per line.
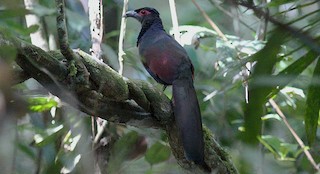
110, 96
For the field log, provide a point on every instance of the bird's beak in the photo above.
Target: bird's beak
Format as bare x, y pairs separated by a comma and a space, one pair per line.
132, 14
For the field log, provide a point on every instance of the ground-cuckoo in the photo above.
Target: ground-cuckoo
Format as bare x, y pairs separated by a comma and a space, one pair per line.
169, 64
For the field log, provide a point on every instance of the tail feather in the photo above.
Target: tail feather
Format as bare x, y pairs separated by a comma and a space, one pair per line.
188, 119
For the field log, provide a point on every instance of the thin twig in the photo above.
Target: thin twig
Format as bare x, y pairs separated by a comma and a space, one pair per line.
75, 66
62, 32
300, 142
263, 25
121, 52
300, 6
225, 11
174, 19
302, 36
213, 25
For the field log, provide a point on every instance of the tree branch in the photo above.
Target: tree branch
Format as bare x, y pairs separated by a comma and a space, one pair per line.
137, 104
304, 37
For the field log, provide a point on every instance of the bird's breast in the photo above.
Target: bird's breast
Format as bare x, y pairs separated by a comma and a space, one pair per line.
162, 55
161, 64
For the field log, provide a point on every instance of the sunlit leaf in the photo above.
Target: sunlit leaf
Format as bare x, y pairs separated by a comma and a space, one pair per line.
232, 46
40, 104
293, 90
50, 135
271, 116
70, 161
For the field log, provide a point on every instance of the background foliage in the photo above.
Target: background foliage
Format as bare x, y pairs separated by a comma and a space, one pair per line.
51, 137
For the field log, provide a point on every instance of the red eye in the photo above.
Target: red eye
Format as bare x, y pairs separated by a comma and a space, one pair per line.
144, 12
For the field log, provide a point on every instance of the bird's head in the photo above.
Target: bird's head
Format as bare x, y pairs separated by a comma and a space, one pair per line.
143, 14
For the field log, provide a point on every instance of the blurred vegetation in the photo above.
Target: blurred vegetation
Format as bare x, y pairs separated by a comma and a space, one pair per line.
278, 61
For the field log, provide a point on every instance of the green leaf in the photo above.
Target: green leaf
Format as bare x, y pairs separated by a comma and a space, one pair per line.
157, 153
16, 28
15, 12
48, 136
69, 160
288, 151
313, 105
271, 143
260, 87
121, 150
280, 149
271, 116
292, 72
40, 104
125, 142
27, 150
31, 29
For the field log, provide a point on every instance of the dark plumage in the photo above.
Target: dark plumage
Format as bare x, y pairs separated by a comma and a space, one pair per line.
168, 63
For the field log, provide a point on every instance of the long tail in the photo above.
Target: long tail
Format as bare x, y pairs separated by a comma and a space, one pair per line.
188, 119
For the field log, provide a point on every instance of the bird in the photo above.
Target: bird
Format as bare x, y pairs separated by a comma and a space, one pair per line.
169, 64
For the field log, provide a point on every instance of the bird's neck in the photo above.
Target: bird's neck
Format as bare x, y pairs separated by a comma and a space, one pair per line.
149, 24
